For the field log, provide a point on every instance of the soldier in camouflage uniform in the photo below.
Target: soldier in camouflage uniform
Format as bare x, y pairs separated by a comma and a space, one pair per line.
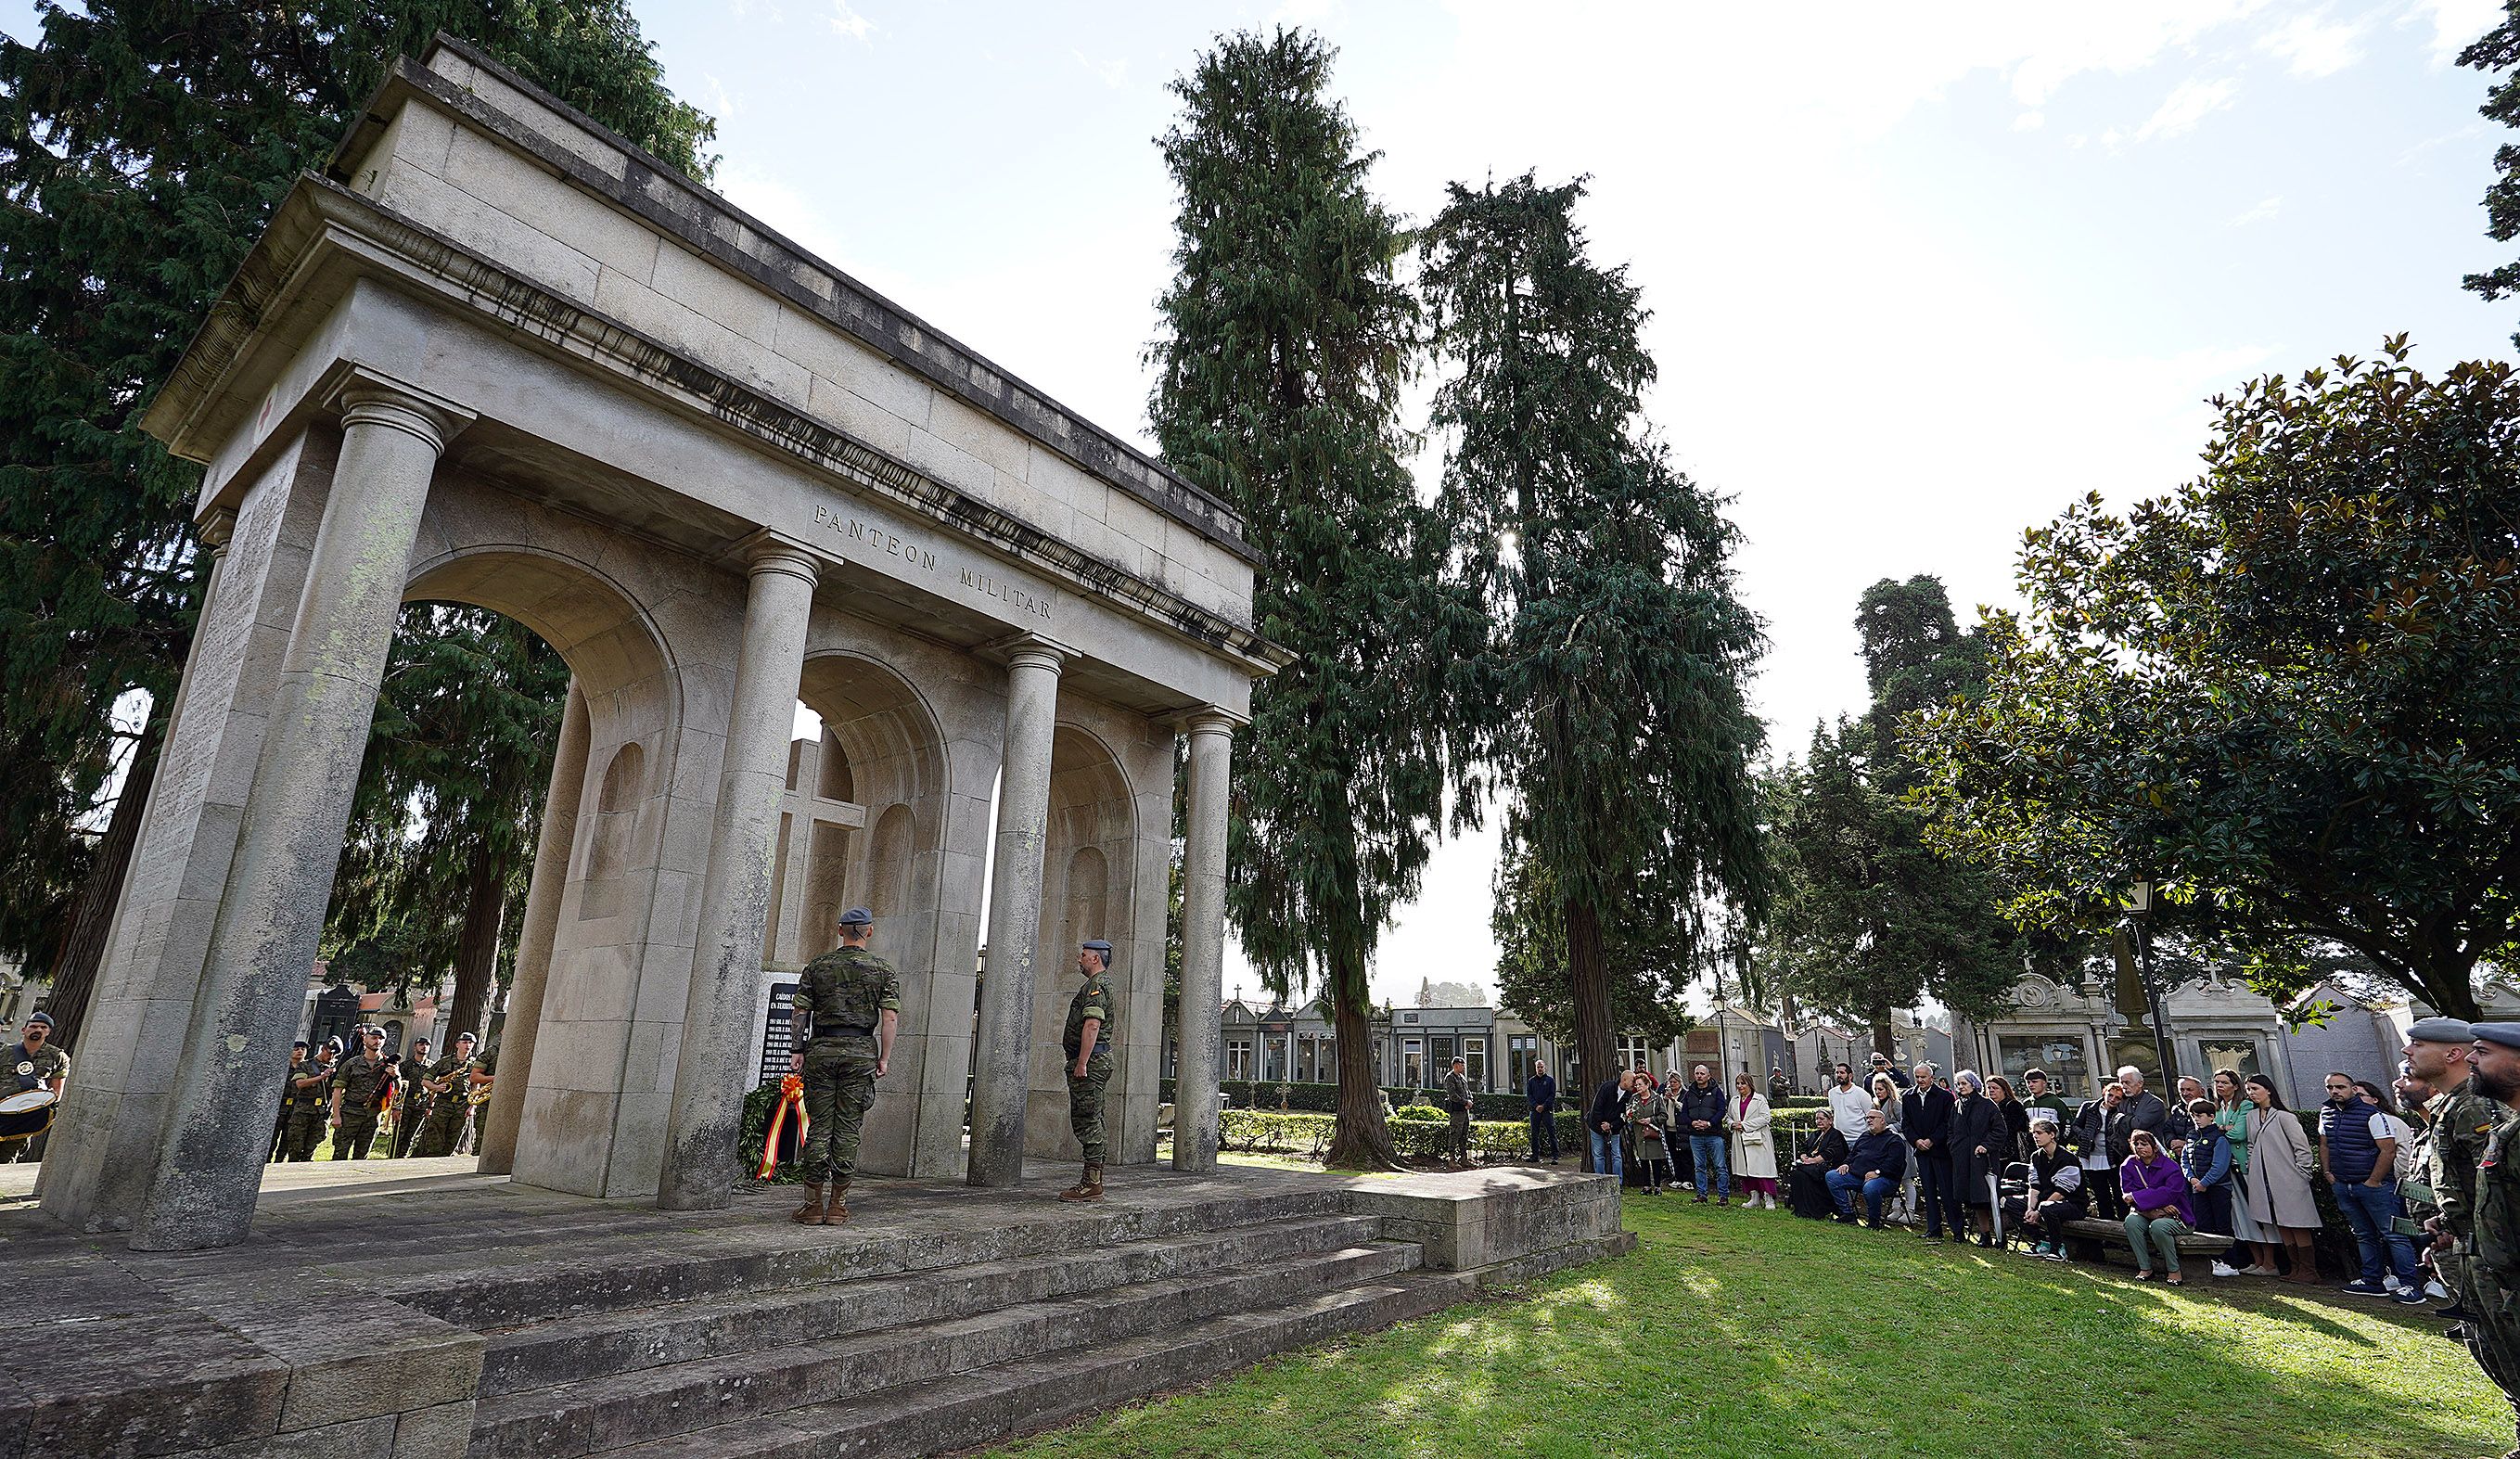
358, 1093
1088, 1044
448, 1081
2491, 1276
412, 1107
846, 1010
287, 1100
306, 1118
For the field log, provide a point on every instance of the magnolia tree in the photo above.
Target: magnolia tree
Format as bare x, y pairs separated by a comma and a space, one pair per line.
2284, 692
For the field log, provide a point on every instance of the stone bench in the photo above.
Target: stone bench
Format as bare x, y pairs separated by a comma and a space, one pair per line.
2092, 1235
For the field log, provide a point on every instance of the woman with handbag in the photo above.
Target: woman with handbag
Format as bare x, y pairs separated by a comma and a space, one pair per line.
1754, 1158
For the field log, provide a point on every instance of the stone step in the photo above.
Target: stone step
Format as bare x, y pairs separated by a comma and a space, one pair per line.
985, 1405
596, 1345
773, 1254
603, 1414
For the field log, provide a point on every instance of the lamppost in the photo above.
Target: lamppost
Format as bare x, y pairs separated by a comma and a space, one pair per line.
2155, 994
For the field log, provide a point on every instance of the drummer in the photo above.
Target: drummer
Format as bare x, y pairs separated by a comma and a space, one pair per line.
35, 1063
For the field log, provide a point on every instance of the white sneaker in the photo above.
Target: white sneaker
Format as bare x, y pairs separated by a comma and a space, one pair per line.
2225, 1269
2437, 1291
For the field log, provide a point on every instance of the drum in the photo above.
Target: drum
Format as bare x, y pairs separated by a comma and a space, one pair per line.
24, 1116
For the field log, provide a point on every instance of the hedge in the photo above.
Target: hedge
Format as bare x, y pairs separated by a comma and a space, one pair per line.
1318, 1098
1307, 1134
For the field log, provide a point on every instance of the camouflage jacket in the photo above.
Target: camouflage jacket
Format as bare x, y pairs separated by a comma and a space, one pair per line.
845, 993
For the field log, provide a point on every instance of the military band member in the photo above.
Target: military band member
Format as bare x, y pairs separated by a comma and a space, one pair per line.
360, 1089
287, 1100
306, 1117
447, 1082
846, 1011
37, 1063
413, 1105
1087, 1043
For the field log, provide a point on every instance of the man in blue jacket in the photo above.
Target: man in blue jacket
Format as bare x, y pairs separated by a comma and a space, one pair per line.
1542, 1093
1701, 1119
1873, 1166
1925, 1119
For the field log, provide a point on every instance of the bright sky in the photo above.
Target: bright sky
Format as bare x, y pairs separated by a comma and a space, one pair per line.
1921, 273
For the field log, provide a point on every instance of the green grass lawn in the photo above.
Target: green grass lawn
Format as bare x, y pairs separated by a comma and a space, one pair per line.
1750, 1333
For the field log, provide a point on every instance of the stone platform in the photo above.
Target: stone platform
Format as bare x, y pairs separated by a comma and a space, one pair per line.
403, 1310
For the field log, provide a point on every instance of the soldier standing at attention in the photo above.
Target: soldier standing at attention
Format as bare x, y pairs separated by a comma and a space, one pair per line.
306, 1117
2492, 1329
287, 1100
413, 1105
358, 1093
446, 1083
845, 1013
1088, 1044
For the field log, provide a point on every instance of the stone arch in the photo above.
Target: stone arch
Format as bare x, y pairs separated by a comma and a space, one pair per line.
1087, 892
609, 843
882, 748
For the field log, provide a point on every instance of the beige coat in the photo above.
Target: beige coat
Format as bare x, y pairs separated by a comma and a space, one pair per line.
2278, 1178
1752, 1162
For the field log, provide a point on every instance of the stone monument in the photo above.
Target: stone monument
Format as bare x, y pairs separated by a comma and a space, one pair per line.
494, 354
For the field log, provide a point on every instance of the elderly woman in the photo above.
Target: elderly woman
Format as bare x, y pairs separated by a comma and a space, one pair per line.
1980, 1147
2163, 1212
1807, 1187
1754, 1159
1648, 1120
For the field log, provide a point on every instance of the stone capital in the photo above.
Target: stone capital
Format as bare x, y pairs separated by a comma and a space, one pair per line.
367, 399
1029, 651
216, 527
767, 551
1205, 720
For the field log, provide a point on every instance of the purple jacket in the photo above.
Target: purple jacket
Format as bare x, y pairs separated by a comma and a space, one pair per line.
2157, 1188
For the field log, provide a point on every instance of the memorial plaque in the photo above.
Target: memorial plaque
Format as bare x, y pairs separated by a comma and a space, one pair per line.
777, 1036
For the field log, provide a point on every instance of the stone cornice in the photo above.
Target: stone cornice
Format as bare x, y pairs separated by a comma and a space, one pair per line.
321, 222
715, 228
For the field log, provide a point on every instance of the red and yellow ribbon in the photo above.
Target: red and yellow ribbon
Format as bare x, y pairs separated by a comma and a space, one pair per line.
791, 1098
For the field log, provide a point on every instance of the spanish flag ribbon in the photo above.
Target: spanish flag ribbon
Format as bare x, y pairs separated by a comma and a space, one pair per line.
792, 1104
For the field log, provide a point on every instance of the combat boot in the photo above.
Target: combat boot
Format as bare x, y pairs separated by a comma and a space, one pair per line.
1088, 1188
837, 1214
811, 1212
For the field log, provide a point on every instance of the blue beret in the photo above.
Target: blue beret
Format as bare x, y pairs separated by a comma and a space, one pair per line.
857, 917
1099, 946
41, 1016
2505, 1034
2441, 1030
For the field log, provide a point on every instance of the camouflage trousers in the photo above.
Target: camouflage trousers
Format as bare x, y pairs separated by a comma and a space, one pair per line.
444, 1127
839, 1084
354, 1134
305, 1132
1085, 1105
2492, 1329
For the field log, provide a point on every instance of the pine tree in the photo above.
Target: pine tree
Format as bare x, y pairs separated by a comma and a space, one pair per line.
1616, 655
142, 147
441, 836
1288, 338
2498, 52
1868, 919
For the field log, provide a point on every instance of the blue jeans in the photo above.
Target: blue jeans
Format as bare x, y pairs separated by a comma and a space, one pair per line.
2373, 1212
1842, 1186
1606, 1157
1706, 1150
1543, 1136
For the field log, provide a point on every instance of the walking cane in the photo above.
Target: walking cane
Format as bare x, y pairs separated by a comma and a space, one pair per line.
1995, 1205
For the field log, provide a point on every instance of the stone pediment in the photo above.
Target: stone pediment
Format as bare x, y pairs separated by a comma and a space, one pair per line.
2038, 996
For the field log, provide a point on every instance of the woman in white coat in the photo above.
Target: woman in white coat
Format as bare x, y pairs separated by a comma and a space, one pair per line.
1754, 1146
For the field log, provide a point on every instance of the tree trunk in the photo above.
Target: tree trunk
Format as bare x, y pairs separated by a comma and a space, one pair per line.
1885, 1042
2448, 982
1361, 1139
82, 950
1588, 985
476, 954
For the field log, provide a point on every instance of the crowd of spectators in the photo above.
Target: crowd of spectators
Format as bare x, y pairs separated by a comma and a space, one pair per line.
1976, 1159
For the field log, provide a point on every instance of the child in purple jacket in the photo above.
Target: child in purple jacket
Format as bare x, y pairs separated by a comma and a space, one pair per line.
2160, 1212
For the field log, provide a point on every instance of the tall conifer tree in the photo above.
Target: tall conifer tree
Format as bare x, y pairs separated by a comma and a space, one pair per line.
142, 147
1617, 653
1286, 341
